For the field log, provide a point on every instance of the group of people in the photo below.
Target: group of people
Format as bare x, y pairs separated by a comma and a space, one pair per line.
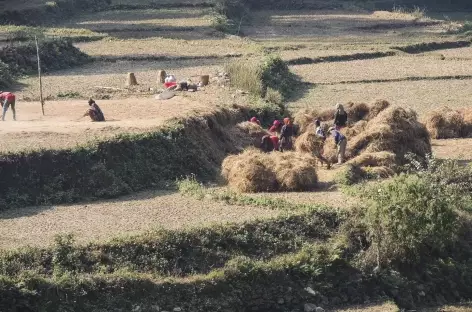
281, 135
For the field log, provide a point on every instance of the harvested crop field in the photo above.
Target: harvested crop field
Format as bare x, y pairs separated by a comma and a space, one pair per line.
37, 226
421, 96
460, 149
386, 68
62, 126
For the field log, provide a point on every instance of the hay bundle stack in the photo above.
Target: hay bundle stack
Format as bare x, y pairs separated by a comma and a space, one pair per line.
309, 142
355, 129
376, 108
378, 159
131, 80
250, 172
295, 172
306, 117
357, 111
394, 130
445, 123
250, 132
254, 171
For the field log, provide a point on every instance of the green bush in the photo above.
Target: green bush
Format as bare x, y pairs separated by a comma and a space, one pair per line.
6, 77
408, 217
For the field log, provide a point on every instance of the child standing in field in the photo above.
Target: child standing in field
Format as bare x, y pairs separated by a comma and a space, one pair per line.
340, 117
7, 99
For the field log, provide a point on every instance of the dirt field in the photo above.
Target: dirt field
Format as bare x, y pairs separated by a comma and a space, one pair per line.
36, 226
62, 126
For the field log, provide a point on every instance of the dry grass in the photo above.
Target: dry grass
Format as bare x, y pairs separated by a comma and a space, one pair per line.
36, 226
445, 123
253, 171
421, 96
376, 307
383, 68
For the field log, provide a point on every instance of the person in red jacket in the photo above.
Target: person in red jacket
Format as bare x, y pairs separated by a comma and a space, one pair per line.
270, 143
7, 99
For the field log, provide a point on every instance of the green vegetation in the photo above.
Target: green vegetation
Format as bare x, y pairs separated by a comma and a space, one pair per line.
26, 33
432, 46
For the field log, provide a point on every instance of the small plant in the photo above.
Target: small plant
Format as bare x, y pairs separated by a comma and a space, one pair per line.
64, 255
191, 187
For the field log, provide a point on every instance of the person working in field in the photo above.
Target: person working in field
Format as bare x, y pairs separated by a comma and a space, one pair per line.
340, 117
94, 112
269, 143
341, 142
276, 127
7, 99
286, 135
255, 120
319, 153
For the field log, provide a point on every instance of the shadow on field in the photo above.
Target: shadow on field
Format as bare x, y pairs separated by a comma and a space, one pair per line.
34, 210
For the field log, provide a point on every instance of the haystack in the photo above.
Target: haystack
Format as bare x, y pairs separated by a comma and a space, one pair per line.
386, 159
295, 172
305, 117
131, 80
445, 123
254, 171
357, 111
309, 142
251, 133
394, 130
355, 129
376, 108
250, 172
467, 129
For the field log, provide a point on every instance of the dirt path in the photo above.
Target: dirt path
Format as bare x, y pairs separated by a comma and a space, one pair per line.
36, 226
62, 126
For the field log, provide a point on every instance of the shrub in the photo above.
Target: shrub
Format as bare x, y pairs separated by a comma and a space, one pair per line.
408, 216
6, 77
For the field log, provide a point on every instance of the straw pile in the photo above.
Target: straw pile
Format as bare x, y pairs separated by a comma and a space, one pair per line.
309, 142
254, 171
306, 117
355, 129
394, 130
357, 111
253, 132
446, 123
377, 159
250, 172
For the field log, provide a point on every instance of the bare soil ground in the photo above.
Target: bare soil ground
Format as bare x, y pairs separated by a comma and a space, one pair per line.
62, 126
37, 226
460, 149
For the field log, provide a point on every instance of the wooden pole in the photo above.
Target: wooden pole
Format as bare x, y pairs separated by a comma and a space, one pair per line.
39, 75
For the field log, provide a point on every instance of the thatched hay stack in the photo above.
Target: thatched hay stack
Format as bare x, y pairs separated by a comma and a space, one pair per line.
376, 108
295, 172
445, 123
306, 117
386, 159
250, 172
355, 129
357, 111
395, 130
251, 131
254, 171
309, 142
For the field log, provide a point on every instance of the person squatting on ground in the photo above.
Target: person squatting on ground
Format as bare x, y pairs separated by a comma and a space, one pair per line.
94, 112
319, 154
269, 143
7, 99
341, 143
340, 117
286, 135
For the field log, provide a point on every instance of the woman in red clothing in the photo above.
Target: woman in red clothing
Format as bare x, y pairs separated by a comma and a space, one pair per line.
7, 99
